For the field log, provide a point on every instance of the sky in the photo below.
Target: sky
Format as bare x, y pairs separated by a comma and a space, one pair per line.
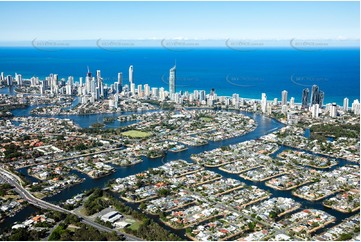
25, 21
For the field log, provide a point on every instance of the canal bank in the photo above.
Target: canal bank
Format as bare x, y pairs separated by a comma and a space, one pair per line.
265, 125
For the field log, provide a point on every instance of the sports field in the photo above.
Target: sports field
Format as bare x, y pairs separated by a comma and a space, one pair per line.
136, 134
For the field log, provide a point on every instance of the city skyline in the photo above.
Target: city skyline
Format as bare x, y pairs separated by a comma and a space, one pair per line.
95, 87
180, 121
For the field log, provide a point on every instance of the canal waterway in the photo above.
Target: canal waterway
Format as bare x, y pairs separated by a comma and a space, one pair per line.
265, 126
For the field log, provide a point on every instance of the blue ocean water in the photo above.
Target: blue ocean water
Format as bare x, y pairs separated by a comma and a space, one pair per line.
249, 73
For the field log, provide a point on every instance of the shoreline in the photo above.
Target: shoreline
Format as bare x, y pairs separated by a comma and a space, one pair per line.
138, 201
308, 165
340, 209
41, 195
131, 164
215, 166
321, 226
315, 199
93, 177
318, 153
264, 179
248, 169
155, 157
288, 188
180, 150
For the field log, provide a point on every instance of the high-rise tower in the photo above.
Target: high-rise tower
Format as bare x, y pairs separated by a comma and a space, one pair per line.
345, 104
130, 75
264, 103
284, 97
172, 77
321, 97
315, 96
120, 81
305, 94
88, 80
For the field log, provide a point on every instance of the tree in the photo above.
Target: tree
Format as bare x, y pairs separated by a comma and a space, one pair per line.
60, 137
56, 234
251, 226
163, 192
345, 236
80, 146
142, 206
20, 234
272, 214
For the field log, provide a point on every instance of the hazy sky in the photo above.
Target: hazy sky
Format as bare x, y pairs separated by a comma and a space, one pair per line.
202, 20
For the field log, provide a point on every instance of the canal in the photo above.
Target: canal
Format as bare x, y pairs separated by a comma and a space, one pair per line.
265, 126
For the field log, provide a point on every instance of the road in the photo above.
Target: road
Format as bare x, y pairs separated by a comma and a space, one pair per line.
13, 180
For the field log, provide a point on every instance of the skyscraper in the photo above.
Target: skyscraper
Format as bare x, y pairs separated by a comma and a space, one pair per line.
292, 102
264, 103
161, 94
196, 94
130, 75
155, 92
99, 86
140, 91
356, 107
120, 82
9, 80
19, 79
284, 97
333, 110
315, 110
92, 85
275, 101
235, 98
345, 104
321, 98
172, 77
98, 75
132, 88
202, 95
88, 80
315, 97
305, 94
146, 90
69, 85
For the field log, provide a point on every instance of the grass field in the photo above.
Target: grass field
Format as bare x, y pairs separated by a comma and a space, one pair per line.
136, 134
135, 225
206, 119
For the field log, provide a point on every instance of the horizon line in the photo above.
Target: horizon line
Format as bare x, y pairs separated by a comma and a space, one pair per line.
178, 43
341, 39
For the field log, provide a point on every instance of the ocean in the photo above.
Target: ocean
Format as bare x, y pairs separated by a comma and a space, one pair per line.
228, 71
